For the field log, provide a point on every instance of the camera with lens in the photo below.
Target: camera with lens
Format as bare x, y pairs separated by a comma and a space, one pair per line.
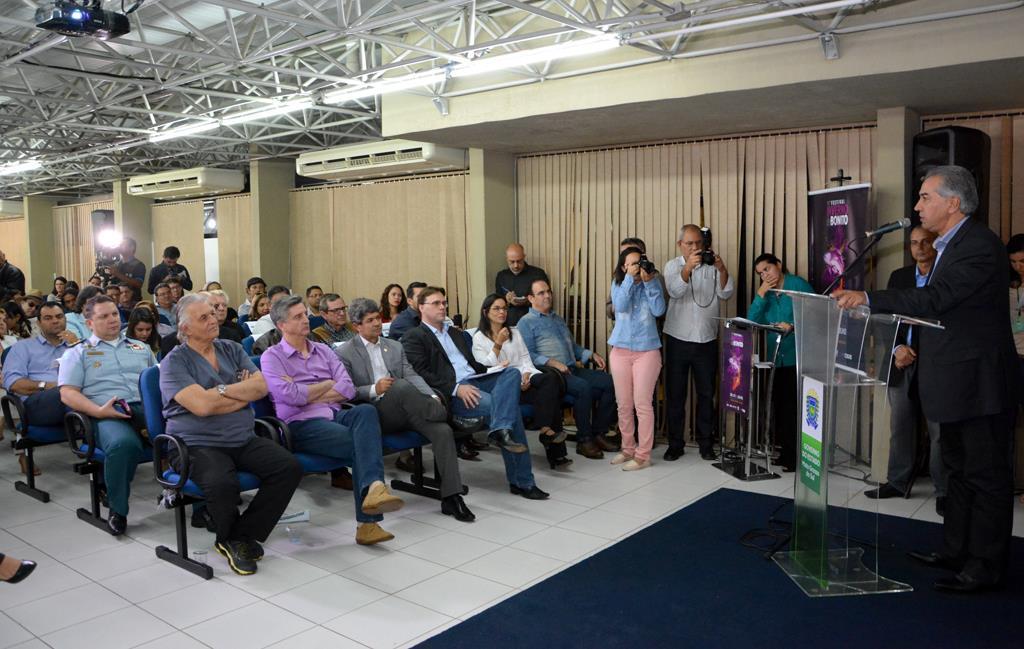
707, 256
104, 258
647, 265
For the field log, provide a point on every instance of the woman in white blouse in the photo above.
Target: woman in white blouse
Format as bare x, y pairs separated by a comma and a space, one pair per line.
494, 342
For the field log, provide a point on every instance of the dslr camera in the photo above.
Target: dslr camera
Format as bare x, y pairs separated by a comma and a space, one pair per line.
647, 265
104, 258
707, 256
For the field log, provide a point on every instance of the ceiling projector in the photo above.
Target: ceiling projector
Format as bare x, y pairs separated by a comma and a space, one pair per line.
70, 19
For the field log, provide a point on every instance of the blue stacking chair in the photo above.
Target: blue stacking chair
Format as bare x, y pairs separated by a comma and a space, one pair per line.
185, 492
247, 344
81, 436
29, 437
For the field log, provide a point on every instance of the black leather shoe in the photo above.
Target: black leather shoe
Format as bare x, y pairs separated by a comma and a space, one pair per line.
503, 440
117, 524
589, 450
466, 453
935, 560
455, 506
708, 455
560, 462
24, 570
474, 445
533, 493
884, 490
961, 583
673, 454
940, 506
606, 443
406, 464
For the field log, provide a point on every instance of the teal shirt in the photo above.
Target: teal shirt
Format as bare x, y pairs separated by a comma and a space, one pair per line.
103, 370
779, 308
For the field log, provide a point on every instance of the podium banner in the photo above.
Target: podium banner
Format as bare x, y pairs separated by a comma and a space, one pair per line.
836, 217
736, 357
811, 422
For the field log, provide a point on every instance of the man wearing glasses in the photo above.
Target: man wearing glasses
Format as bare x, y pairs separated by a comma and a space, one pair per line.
441, 354
336, 328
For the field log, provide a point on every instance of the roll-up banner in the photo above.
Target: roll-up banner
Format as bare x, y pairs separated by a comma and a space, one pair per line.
838, 218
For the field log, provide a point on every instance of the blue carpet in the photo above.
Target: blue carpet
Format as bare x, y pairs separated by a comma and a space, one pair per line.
687, 582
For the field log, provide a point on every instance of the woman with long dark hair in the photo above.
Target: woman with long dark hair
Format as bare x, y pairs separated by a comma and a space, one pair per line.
392, 302
494, 343
17, 324
142, 326
775, 309
59, 284
635, 358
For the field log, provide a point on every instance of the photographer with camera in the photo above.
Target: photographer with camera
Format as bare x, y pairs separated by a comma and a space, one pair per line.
696, 281
636, 354
123, 267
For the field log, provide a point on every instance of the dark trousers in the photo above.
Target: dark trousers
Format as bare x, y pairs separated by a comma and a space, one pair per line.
45, 408
784, 414
978, 524
403, 408
594, 401
680, 357
215, 469
905, 413
545, 395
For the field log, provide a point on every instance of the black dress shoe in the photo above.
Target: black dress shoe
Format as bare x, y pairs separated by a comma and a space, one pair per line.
474, 445
533, 493
673, 454
503, 440
708, 455
560, 462
455, 506
24, 570
963, 583
589, 449
466, 453
940, 506
935, 560
884, 490
117, 524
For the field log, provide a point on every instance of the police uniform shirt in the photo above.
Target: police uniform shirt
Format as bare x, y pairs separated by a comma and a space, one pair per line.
105, 370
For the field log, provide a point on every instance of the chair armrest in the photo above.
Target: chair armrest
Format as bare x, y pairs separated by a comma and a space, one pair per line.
11, 402
282, 434
79, 429
183, 459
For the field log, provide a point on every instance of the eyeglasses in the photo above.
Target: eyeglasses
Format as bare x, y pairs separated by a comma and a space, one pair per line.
340, 309
443, 303
499, 308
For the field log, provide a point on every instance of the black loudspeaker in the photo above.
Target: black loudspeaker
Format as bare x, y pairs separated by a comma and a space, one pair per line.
952, 145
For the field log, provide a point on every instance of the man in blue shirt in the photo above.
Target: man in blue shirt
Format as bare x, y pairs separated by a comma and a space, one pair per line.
550, 343
30, 371
100, 378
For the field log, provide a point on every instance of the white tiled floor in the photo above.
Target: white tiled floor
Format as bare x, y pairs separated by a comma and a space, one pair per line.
324, 590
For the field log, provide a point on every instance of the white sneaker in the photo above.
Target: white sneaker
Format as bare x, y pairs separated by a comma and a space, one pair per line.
621, 457
635, 465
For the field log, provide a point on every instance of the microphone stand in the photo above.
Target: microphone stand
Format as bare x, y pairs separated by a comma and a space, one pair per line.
875, 238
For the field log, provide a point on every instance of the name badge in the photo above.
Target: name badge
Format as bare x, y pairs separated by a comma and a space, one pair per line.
94, 354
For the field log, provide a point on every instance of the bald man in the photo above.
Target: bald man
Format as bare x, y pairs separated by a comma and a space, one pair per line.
514, 282
11, 277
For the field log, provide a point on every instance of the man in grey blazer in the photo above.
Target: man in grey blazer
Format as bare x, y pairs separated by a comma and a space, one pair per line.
383, 377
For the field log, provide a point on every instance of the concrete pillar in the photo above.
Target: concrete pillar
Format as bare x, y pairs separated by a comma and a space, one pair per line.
41, 260
894, 157
269, 182
492, 219
133, 217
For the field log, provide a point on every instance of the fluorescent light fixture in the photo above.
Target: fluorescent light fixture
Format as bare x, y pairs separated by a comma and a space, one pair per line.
282, 108
536, 55
20, 167
184, 131
386, 86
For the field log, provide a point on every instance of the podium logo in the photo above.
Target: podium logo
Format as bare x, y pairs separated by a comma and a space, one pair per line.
812, 409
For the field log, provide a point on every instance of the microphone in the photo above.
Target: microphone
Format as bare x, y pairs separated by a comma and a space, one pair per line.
902, 224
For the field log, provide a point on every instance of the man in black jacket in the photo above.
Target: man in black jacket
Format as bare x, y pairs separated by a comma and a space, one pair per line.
968, 378
169, 268
442, 356
904, 397
11, 277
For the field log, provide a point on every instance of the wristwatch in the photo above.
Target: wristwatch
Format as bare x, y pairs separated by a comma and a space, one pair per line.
42, 385
221, 389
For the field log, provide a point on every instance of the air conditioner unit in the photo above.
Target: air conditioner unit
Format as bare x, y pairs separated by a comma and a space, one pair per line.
379, 159
200, 181
11, 208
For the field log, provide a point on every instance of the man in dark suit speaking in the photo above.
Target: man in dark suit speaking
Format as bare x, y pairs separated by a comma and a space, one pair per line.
967, 377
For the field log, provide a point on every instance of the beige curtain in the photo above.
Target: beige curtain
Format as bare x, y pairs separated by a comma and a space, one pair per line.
357, 239
181, 225
14, 244
574, 208
73, 240
235, 245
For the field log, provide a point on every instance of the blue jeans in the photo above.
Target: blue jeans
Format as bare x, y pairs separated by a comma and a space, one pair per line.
122, 447
590, 388
499, 403
353, 435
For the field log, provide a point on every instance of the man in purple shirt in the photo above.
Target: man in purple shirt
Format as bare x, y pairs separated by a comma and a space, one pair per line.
308, 384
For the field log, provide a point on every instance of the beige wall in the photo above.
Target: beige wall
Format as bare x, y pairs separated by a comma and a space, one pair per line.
181, 225
235, 245
14, 244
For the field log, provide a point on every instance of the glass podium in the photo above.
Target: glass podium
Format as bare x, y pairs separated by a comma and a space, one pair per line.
843, 362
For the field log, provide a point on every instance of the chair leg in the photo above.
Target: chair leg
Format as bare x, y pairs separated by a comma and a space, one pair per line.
92, 515
422, 484
181, 558
28, 486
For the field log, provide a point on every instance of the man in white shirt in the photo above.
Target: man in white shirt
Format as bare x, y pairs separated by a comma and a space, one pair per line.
695, 290
383, 377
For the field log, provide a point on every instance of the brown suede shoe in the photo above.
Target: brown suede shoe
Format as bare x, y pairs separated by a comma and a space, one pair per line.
371, 534
341, 479
589, 449
605, 443
379, 500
